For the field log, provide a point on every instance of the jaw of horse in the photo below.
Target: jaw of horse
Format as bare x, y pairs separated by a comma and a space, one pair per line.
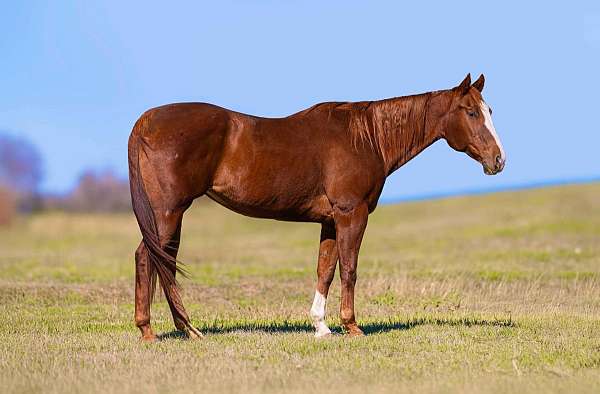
488, 169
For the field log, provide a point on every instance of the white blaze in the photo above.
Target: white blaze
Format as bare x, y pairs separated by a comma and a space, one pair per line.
317, 313
490, 126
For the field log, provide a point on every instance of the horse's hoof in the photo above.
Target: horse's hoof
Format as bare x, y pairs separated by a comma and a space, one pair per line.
193, 333
354, 331
149, 338
323, 334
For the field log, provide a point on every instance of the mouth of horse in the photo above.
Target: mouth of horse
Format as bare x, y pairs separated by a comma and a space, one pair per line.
489, 171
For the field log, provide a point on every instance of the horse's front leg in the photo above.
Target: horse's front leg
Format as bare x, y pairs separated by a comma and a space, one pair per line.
328, 257
350, 226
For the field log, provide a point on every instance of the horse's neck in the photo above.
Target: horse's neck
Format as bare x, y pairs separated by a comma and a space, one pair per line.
408, 125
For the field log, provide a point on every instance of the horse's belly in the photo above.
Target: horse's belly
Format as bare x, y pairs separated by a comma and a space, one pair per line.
279, 206
270, 175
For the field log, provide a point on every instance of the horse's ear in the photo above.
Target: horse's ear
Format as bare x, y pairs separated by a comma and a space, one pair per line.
479, 83
465, 85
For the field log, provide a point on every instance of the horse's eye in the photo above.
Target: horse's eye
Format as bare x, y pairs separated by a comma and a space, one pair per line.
471, 113
490, 108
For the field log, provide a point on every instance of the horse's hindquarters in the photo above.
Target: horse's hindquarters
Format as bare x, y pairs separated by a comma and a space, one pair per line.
182, 145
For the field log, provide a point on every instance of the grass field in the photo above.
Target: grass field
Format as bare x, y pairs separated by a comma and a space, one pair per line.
488, 294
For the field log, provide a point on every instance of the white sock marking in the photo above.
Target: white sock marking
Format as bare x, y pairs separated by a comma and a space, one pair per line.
317, 313
490, 126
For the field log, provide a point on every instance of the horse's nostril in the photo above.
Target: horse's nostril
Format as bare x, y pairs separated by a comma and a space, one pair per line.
499, 163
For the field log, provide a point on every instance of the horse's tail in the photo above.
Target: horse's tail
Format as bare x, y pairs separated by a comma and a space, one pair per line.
161, 262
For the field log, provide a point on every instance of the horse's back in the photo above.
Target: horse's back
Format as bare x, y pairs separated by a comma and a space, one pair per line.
265, 167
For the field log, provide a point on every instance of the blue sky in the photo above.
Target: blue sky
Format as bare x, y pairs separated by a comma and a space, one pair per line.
76, 75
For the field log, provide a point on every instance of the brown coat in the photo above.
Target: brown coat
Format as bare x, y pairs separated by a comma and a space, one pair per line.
326, 164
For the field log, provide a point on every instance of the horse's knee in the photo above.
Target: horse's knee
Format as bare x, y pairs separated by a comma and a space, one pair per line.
348, 275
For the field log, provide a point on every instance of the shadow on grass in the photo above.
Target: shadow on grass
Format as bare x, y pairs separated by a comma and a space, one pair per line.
221, 327
375, 327
368, 327
175, 334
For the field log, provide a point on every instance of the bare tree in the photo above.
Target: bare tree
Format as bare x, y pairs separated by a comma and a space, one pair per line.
20, 170
7, 206
99, 192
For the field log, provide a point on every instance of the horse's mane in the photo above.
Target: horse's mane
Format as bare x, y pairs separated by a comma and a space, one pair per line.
391, 127
394, 128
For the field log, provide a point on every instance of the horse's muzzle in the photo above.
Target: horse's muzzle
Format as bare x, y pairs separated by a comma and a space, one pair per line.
498, 166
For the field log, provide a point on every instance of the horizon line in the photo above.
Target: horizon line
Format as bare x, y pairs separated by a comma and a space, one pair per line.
490, 190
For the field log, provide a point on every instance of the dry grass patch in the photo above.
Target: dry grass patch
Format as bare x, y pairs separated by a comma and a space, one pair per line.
486, 294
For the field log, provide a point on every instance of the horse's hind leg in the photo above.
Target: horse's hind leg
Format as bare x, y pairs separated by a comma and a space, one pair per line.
168, 223
328, 257
145, 276
169, 229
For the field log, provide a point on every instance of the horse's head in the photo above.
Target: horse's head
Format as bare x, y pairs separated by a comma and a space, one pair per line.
469, 127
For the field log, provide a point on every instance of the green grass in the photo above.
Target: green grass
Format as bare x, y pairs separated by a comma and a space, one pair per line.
492, 294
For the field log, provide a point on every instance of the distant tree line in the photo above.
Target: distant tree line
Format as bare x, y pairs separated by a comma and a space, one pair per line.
21, 172
96, 191
20, 176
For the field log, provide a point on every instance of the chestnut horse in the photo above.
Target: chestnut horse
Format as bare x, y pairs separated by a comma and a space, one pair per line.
326, 164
